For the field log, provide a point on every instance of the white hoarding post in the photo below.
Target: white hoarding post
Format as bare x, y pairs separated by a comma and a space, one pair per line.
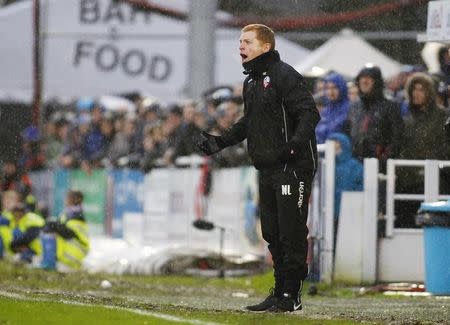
431, 189
370, 216
326, 258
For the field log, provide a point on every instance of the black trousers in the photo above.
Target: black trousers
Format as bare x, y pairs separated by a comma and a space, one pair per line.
284, 197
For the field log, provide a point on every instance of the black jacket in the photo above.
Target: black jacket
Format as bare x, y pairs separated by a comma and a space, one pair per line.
279, 113
376, 126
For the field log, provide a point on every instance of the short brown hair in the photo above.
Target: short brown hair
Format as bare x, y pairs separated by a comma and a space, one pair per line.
263, 33
75, 197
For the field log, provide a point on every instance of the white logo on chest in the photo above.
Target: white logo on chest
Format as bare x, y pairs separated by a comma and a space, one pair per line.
266, 82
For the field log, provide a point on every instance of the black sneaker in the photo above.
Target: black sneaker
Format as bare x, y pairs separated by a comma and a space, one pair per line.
266, 304
286, 303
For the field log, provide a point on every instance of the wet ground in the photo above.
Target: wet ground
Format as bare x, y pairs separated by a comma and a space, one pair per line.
221, 300
379, 310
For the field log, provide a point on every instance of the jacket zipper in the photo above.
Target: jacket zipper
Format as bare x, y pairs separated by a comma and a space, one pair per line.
285, 127
286, 138
312, 155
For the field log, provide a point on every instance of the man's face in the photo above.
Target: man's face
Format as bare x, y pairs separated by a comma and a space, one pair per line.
332, 91
250, 47
9, 168
10, 200
189, 113
418, 95
366, 84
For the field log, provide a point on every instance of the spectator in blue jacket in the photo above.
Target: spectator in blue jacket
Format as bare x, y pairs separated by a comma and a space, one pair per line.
334, 114
349, 171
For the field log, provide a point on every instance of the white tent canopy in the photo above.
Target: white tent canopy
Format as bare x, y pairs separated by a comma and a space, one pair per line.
346, 53
93, 48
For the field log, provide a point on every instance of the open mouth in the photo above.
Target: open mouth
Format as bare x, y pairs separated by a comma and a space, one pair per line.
243, 56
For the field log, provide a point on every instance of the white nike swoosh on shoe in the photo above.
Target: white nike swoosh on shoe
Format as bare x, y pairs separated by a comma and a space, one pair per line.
296, 307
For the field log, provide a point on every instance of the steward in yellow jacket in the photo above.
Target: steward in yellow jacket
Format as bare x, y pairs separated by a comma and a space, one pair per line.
25, 229
66, 239
9, 200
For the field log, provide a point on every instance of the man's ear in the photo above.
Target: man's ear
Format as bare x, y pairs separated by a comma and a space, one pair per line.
266, 47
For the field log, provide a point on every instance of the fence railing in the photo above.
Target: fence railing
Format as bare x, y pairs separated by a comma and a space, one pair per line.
430, 191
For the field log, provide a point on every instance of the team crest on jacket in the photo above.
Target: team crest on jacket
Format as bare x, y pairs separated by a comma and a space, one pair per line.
266, 82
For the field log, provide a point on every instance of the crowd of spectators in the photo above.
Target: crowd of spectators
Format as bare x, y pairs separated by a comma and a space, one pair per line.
88, 134
405, 118
401, 118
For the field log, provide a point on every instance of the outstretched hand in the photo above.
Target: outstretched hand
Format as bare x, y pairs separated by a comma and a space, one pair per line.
208, 143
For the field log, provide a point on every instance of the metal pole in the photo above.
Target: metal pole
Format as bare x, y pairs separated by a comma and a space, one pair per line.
37, 74
202, 26
390, 191
431, 189
222, 262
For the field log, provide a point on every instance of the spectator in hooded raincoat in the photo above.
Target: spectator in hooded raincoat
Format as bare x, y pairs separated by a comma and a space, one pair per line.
334, 114
375, 123
349, 174
349, 171
424, 138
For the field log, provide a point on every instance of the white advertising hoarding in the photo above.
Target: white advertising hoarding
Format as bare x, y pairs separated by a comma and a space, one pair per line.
100, 47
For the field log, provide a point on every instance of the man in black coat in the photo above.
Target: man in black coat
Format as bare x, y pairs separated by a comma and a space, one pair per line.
279, 123
376, 126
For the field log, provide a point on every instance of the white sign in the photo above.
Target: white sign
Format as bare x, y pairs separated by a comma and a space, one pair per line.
438, 21
126, 49
103, 47
446, 21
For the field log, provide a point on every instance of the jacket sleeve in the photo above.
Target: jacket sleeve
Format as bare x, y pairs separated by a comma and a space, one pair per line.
26, 238
299, 105
65, 231
238, 131
4, 221
235, 134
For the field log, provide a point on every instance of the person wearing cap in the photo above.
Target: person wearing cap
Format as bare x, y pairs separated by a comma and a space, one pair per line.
279, 120
25, 227
375, 123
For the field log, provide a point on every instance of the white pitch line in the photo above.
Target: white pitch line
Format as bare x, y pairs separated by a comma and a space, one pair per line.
131, 310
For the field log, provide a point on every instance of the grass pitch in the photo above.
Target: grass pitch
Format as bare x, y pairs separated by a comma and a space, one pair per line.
30, 296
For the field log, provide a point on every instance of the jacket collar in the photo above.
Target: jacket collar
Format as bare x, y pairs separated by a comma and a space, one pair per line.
261, 63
